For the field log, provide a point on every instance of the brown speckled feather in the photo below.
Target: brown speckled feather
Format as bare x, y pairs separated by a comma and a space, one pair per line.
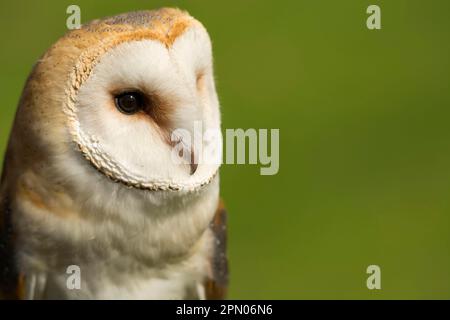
11, 282
217, 285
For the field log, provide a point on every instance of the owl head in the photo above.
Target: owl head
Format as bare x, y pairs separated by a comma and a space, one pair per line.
113, 93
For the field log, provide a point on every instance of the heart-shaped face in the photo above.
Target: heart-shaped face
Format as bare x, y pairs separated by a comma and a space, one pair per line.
145, 99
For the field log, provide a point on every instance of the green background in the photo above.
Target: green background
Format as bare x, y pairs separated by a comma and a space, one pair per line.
364, 136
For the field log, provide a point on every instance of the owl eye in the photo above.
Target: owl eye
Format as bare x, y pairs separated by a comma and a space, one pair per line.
129, 102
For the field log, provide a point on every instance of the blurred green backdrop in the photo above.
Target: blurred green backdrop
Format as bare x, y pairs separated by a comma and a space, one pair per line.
364, 136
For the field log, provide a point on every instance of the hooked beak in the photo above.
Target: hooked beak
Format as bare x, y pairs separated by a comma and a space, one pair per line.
193, 162
187, 152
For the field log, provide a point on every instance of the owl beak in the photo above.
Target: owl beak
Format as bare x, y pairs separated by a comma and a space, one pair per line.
194, 164
187, 153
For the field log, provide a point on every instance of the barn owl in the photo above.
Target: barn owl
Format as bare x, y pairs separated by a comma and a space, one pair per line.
89, 179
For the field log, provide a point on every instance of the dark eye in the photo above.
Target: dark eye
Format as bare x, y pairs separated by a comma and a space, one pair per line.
129, 102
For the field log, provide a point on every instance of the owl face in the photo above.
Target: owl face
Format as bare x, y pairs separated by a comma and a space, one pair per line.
128, 97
